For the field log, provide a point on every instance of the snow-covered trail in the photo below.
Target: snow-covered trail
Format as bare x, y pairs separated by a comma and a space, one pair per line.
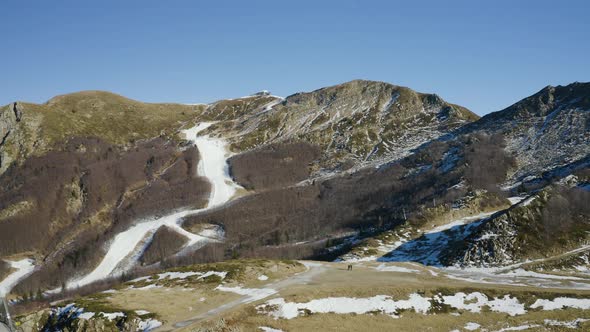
23, 269
212, 165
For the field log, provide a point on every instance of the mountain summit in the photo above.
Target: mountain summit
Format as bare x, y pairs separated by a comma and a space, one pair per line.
97, 187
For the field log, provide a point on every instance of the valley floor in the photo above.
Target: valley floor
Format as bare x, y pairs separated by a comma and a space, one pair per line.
275, 296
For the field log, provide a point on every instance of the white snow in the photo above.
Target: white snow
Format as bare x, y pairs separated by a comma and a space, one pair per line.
86, 315
459, 300
460, 221
519, 328
142, 312
515, 199
178, 276
471, 326
112, 315
222, 275
279, 308
141, 279
393, 268
213, 166
475, 301
562, 302
23, 268
262, 278
252, 294
428, 248
529, 200
573, 324
507, 305
149, 325
269, 329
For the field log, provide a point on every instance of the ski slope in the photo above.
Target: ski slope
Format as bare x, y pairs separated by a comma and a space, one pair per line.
23, 268
122, 252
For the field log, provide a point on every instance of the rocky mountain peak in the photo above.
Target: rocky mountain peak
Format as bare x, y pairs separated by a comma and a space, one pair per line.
556, 117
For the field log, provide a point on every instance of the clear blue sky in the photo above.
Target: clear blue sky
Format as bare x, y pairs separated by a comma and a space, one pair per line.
483, 56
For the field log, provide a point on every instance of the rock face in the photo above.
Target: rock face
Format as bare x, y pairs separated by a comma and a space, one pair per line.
356, 123
548, 223
15, 135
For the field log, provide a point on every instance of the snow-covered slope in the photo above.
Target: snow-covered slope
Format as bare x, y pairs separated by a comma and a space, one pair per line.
128, 245
23, 268
213, 164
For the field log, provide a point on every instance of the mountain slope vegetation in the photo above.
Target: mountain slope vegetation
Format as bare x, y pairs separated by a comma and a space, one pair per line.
350, 171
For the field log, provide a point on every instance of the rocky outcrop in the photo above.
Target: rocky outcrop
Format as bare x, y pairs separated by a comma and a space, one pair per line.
355, 124
17, 110
8, 120
18, 134
544, 131
548, 223
71, 319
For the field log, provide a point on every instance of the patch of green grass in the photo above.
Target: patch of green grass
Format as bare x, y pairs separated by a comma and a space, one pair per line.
114, 118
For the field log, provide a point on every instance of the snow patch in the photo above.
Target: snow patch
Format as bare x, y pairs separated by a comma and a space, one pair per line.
269, 329
279, 308
573, 324
177, 276
149, 325
86, 315
519, 328
112, 315
475, 301
562, 302
262, 278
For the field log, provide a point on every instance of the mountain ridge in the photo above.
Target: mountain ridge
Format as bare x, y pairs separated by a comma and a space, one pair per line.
358, 161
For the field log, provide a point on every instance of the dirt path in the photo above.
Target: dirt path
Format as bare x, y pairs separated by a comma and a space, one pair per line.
322, 279
313, 269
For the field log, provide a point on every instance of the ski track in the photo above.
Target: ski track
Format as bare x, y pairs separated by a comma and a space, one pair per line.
23, 269
212, 165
